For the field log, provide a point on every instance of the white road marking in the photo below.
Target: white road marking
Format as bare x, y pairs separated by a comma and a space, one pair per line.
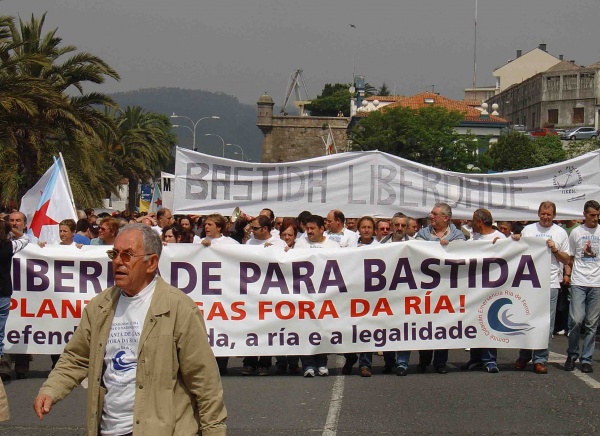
335, 404
588, 380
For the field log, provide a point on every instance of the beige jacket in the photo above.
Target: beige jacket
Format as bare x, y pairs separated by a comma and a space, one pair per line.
178, 384
4, 410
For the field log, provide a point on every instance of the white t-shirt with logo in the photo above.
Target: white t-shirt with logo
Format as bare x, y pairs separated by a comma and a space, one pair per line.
304, 242
561, 240
120, 358
584, 244
346, 238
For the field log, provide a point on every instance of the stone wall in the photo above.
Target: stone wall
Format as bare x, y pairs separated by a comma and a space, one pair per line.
291, 138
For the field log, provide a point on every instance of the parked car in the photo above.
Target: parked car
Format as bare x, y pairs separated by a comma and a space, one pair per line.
543, 132
580, 133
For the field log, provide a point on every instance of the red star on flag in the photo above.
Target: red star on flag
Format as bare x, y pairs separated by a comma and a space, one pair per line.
158, 202
40, 219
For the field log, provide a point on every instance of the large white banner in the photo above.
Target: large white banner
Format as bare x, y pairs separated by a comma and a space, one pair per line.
378, 184
265, 301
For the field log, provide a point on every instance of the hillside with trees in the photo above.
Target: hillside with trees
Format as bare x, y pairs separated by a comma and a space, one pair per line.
236, 125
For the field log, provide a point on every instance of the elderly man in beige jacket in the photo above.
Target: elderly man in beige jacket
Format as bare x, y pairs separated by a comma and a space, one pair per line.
143, 346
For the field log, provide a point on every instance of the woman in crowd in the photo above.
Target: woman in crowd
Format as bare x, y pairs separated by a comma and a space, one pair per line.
107, 232
171, 234
66, 232
214, 227
289, 232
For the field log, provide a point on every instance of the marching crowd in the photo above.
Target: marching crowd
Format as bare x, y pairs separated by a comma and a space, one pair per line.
575, 270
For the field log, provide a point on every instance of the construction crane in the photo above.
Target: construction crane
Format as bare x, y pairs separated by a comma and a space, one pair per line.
294, 86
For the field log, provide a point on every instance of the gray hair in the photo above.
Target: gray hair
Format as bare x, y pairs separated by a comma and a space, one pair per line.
150, 239
446, 209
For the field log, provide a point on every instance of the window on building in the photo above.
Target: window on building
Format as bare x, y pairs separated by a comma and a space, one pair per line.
553, 83
570, 82
552, 116
578, 115
586, 81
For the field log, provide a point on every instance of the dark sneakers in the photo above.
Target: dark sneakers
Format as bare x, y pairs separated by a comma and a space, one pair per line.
471, 365
586, 368
570, 363
402, 372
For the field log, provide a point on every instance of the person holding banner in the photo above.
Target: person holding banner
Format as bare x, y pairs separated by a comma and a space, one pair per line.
584, 246
142, 344
337, 230
315, 238
214, 227
442, 231
557, 241
18, 222
399, 360
483, 230
261, 227
8, 247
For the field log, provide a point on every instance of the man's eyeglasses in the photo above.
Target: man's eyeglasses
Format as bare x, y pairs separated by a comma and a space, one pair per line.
125, 255
103, 229
255, 228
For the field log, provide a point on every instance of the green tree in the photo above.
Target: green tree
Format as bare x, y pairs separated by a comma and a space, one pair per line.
426, 135
577, 148
332, 100
384, 90
141, 148
551, 149
515, 151
48, 112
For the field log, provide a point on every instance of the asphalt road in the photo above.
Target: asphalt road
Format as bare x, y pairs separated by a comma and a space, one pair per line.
459, 403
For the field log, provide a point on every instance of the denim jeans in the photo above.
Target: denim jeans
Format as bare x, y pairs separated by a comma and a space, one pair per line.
541, 356
366, 359
483, 355
402, 358
584, 311
4, 310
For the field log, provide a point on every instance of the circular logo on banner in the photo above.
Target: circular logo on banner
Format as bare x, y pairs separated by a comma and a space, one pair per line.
567, 179
503, 316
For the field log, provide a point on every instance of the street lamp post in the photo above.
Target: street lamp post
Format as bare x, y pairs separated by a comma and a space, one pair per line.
241, 149
218, 136
195, 124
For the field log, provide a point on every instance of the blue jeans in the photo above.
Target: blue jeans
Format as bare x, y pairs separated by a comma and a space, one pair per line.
483, 355
4, 310
584, 310
541, 356
366, 359
402, 358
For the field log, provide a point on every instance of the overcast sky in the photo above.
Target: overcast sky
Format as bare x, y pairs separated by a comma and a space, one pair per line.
246, 47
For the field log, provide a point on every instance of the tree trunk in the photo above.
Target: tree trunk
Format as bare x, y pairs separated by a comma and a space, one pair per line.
132, 196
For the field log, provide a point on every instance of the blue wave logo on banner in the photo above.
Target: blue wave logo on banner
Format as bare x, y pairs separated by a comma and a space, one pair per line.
119, 365
499, 318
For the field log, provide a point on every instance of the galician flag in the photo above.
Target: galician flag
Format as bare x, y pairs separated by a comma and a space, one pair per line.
156, 202
49, 202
